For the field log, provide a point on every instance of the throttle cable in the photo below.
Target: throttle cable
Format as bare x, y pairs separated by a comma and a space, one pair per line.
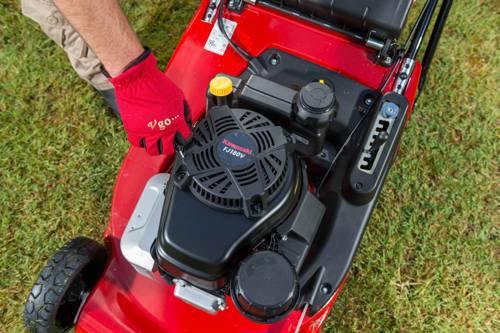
254, 64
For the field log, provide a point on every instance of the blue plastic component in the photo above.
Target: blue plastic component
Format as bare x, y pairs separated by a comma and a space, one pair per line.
389, 110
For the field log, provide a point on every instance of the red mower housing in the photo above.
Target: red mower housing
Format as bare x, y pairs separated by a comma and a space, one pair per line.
125, 301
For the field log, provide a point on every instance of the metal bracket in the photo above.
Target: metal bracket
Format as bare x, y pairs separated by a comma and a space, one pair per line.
211, 11
374, 43
235, 5
386, 53
404, 75
198, 298
142, 227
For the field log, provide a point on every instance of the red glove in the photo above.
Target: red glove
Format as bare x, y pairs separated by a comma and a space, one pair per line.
152, 107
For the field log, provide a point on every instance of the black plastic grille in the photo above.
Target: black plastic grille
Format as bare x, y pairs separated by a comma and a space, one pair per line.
231, 188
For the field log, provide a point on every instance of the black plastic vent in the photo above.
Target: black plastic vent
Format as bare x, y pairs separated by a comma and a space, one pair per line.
225, 124
246, 176
251, 120
205, 159
264, 140
237, 162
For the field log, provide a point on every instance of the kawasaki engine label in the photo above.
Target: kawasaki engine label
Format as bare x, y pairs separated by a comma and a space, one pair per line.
236, 149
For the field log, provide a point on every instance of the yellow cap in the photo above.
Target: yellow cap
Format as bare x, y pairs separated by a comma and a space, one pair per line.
221, 86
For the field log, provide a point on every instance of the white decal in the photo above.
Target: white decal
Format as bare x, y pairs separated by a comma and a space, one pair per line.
162, 124
217, 42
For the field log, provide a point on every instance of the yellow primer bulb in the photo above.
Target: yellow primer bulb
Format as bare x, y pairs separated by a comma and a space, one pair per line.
221, 86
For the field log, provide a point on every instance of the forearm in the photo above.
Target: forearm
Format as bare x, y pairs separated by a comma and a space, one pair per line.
105, 28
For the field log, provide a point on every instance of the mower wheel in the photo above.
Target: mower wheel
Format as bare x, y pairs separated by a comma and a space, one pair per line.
63, 285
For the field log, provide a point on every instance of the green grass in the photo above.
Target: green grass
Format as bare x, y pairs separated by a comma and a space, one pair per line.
429, 261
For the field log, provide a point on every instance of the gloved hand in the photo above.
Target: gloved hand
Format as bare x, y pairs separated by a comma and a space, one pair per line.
152, 107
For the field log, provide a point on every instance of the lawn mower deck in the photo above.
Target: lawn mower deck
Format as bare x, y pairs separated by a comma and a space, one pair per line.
274, 193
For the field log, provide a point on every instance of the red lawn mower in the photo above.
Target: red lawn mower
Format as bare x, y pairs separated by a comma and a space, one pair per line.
298, 108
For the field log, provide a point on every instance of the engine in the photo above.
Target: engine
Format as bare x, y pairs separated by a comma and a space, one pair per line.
235, 182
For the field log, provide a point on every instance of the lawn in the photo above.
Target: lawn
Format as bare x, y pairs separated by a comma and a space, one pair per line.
429, 261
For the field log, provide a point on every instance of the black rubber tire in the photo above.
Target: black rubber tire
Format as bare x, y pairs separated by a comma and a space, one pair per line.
61, 287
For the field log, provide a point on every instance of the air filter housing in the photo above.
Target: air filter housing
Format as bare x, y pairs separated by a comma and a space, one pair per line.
237, 161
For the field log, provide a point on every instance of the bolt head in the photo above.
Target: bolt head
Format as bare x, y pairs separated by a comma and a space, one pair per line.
274, 60
326, 289
390, 110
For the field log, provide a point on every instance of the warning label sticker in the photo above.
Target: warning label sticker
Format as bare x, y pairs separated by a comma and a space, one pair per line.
217, 42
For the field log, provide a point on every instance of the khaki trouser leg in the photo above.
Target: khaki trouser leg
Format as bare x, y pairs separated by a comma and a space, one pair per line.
52, 22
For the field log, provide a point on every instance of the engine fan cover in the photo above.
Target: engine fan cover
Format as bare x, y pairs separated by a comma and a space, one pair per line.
237, 161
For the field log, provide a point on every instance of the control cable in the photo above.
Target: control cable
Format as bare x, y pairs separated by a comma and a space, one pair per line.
254, 64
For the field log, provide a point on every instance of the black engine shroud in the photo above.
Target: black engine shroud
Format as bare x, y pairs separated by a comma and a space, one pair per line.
237, 162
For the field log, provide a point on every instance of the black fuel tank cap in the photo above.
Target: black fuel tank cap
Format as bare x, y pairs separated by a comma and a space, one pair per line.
317, 97
316, 105
265, 287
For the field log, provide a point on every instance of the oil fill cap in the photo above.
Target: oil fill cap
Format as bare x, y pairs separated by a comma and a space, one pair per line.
265, 287
221, 86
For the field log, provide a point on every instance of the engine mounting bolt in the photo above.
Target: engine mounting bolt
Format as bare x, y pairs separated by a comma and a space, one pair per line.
274, 60
221, 306
388, 60
326, 288
368, 101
